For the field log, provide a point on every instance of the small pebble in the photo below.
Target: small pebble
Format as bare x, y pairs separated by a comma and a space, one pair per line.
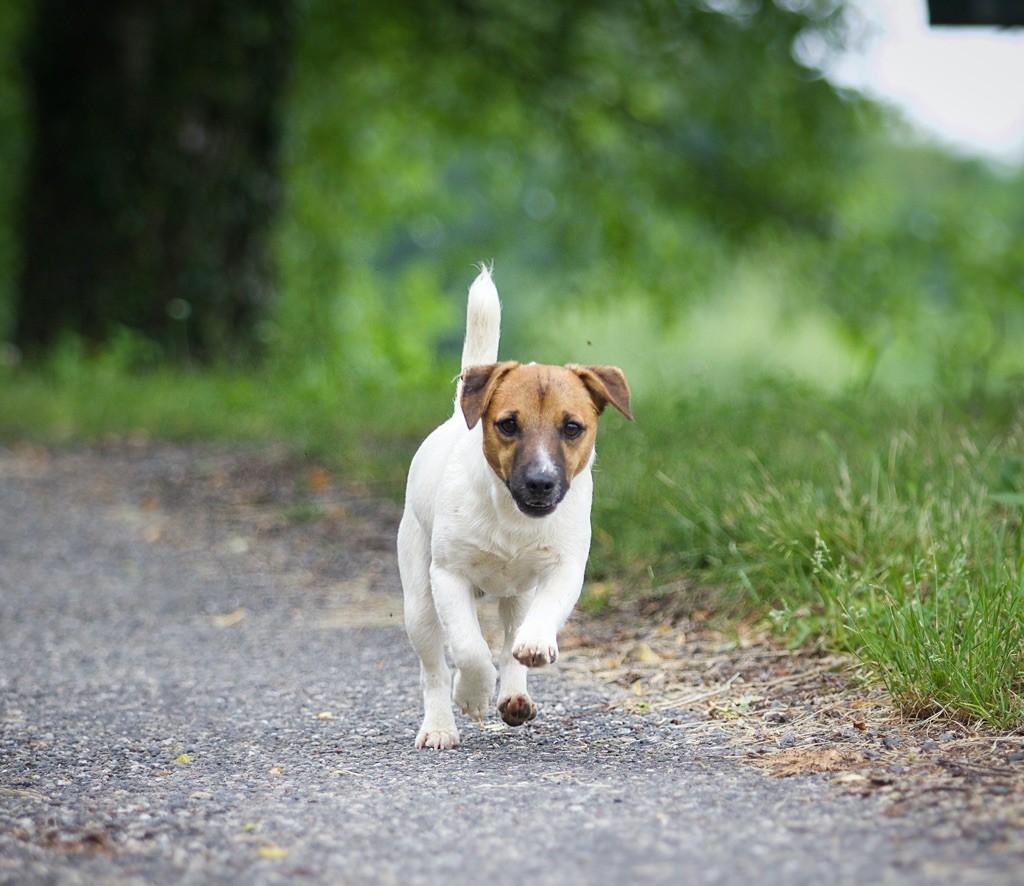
890, 742
898, 769
929, 744
946, 736
1015, 757
788, 740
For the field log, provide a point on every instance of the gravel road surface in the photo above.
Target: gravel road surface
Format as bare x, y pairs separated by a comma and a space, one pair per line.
204, 678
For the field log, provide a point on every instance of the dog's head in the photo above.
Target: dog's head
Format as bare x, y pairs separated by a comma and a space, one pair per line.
539, 423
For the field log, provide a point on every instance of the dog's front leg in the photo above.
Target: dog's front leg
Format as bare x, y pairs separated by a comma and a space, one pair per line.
456, 607
514, 702
536, 641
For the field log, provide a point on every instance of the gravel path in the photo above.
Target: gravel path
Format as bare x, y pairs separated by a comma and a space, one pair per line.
203, 678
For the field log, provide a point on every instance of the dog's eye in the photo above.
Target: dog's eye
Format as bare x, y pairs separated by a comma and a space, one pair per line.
508, 426
572, 429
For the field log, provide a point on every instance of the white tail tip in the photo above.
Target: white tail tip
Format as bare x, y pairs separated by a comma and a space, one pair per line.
483, 320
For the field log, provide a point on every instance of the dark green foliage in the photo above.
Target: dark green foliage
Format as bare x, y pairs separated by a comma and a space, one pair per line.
604, 153
596, 151
12, 150
674, 103
153, 180
577, 144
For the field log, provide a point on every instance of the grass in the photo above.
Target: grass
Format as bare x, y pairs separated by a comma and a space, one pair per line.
890, 528
73, 399
950, 641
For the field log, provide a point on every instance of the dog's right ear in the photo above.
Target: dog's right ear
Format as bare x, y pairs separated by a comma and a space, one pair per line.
478, 384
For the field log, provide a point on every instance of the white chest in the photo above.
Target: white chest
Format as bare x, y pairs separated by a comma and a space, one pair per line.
499, 575
499, 564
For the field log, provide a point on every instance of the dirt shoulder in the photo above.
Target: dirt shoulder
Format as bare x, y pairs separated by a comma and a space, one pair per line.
797, 713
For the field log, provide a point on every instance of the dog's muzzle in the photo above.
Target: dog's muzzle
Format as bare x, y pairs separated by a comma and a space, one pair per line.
537, 491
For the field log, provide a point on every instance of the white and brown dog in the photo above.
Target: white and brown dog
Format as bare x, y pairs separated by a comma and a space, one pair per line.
498, 503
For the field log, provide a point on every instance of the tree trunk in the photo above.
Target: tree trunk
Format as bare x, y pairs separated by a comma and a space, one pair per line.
154, 171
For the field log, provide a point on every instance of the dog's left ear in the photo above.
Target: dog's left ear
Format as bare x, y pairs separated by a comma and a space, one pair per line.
606, 384
478, 384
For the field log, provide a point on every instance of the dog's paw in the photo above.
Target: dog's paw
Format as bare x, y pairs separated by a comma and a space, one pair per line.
534, 654
442, 738
517, 709
473, 690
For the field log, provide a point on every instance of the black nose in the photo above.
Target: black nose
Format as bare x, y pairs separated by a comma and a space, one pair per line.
540, 483
538, 487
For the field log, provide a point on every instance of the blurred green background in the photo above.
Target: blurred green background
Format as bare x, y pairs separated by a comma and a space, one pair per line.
254, 221
663, 180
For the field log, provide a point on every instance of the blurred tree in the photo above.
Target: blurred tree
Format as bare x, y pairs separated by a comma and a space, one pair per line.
613, 147
153, 175
635, 152
596, 142
709, 104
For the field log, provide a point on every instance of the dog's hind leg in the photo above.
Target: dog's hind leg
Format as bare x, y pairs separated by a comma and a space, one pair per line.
421, 623
514, 702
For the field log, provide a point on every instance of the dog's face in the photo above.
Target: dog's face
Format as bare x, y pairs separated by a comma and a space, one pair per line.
539, 423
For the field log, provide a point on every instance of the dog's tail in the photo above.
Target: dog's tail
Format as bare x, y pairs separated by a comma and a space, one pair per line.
483, 321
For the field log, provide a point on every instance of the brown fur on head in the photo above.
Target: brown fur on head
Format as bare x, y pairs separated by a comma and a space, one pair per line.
540, 423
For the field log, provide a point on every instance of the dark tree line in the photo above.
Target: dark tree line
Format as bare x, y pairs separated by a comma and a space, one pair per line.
153, 176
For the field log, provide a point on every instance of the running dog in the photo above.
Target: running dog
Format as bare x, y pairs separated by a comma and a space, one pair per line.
498, 503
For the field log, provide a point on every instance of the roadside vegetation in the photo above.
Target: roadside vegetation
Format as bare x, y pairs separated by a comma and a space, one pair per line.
887, 527
821, 318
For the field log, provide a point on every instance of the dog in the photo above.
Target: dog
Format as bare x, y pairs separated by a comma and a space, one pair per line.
498, 503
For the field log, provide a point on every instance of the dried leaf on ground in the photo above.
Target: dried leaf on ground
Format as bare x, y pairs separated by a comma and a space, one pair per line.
229, 619
810, 761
